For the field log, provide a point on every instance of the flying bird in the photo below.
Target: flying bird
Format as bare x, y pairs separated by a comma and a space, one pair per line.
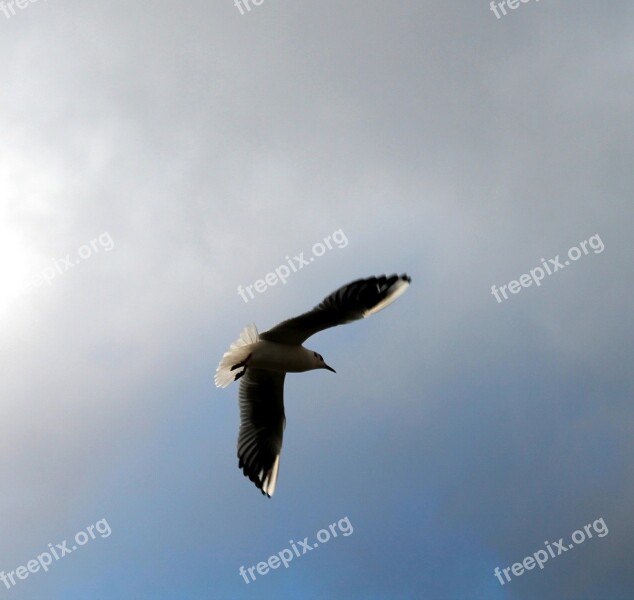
261, 362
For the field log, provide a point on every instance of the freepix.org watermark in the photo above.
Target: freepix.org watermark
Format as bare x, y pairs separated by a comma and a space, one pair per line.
283, 272
553, 265
242, 4
284, 557
8, 7
61, 265
497, 7
45, 560
540, 557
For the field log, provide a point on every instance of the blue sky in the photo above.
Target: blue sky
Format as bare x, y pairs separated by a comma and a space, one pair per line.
177, 151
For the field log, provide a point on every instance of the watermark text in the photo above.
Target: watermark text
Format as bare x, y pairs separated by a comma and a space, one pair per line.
500, 7
553, 265
284, 557
283, 272
45, 560
61, 265
540, 557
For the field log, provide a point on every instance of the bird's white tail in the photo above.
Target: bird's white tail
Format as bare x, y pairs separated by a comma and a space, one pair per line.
234, 361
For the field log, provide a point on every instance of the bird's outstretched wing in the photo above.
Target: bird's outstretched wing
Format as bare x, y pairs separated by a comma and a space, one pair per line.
350, 302
262, 423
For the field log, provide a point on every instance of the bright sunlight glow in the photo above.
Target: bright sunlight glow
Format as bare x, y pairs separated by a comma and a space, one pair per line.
15, 264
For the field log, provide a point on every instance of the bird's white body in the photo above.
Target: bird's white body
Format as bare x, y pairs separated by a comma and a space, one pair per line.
255, 353
283, 357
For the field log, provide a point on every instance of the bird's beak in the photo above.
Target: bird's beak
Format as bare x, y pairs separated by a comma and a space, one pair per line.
329, 368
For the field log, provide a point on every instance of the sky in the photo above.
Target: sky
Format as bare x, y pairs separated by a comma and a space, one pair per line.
157, 157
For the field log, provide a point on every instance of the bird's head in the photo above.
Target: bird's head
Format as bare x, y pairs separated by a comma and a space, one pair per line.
319, 362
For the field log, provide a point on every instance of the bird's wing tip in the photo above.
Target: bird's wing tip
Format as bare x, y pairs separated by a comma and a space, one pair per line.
398, 288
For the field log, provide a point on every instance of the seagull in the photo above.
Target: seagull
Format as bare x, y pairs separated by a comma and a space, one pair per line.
261, 362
